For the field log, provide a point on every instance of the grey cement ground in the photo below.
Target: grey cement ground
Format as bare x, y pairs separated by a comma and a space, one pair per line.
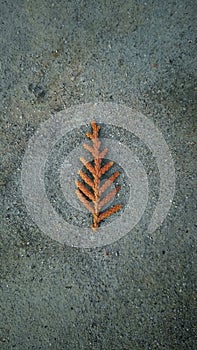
137, 293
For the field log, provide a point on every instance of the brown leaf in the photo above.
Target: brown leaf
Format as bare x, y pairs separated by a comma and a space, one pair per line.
97, 171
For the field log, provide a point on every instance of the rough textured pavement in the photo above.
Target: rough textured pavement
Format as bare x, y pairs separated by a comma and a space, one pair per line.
139, 292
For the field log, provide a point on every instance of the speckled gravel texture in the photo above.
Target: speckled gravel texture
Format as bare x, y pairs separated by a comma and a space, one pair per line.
137, 293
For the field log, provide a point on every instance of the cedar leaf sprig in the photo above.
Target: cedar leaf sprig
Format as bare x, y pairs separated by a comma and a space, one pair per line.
96, 190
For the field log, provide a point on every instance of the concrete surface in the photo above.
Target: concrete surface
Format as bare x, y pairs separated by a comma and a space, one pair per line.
134, 294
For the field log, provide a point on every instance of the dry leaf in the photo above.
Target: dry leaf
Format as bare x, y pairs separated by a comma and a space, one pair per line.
91, 199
